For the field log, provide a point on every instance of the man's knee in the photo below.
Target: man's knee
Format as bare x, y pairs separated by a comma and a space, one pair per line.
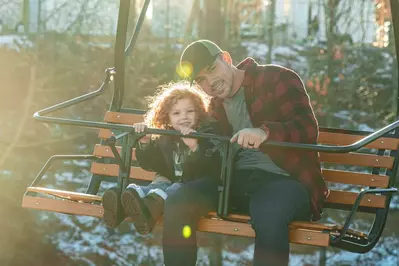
180, 205
269, 225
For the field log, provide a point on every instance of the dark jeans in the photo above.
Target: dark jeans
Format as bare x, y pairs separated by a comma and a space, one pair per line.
272, 201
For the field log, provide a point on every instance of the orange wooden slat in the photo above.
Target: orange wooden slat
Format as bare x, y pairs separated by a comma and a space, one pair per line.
106, 152
113, 170
348, 198
122, 118
361, 179
105, 133
359, 159
346, 139
118, 118
65, 194
62, 206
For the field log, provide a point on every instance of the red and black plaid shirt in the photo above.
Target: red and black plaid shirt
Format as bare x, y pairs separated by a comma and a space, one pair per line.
278, 103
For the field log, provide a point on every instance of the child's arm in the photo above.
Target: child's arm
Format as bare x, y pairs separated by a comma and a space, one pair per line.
203, 161
148, 153
150, 157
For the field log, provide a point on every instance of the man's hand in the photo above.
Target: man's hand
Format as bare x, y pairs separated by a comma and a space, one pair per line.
249, 138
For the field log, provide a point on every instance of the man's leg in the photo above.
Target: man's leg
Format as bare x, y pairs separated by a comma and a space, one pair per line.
183, 209
275, 201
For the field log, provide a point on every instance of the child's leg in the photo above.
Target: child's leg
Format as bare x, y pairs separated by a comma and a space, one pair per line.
173, 188
140, 190
165, 190
136, 208
143, 191
155, 200
158, 182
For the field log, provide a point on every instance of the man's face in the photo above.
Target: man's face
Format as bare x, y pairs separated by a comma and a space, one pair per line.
217, 79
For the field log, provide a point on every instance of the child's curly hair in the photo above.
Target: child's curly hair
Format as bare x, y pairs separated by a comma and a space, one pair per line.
163, 100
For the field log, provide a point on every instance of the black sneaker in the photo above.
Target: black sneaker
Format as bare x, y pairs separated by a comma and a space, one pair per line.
113, 212
135, 208
155, 206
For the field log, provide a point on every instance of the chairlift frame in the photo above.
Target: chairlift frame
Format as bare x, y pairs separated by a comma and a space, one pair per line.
129, 138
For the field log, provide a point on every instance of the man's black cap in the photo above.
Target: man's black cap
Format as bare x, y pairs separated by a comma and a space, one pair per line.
198, 55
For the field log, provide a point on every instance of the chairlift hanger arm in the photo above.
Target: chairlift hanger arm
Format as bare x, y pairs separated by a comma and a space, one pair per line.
136, 31
121, 51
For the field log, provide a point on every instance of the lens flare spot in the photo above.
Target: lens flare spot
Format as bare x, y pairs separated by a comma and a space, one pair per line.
185, 69
186, 231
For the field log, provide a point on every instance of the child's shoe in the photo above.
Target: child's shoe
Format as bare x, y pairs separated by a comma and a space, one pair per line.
113, 212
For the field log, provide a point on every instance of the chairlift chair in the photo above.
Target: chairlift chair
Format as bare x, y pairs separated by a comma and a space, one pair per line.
112, 162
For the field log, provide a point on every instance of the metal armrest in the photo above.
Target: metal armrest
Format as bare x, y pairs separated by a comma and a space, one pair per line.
356, 206
59, 157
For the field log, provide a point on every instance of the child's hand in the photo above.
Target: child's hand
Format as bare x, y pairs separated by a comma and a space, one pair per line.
139, 128
191, 143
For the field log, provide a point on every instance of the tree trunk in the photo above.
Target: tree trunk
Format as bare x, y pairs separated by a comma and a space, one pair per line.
193, 16
331, 35
214, 21
331, 11
270, 30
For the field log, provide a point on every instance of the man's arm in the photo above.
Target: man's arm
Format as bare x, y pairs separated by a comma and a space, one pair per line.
302, 126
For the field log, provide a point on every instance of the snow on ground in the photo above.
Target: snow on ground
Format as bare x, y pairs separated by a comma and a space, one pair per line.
14, 42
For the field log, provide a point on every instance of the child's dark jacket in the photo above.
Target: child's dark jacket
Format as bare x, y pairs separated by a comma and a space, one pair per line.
158, 156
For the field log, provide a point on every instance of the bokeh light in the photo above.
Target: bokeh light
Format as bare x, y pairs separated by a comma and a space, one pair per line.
184, 70
186, 231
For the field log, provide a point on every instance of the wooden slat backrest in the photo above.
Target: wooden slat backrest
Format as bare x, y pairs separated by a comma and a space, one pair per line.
113, 170
106, 152
346, 139
330, 175
118, 118
358, 159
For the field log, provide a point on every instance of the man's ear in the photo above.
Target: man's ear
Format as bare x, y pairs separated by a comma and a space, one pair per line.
226, 57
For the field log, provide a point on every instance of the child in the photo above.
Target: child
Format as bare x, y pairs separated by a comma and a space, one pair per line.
178, 107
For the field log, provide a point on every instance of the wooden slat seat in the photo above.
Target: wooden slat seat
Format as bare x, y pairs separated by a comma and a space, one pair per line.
73, 196
310, 233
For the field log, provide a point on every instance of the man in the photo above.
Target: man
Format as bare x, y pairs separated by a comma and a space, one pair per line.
253, 104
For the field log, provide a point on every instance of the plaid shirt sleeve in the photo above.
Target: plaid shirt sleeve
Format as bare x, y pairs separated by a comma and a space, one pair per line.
300, 124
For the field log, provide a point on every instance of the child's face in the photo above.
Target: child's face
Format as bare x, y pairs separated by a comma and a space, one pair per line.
183, 114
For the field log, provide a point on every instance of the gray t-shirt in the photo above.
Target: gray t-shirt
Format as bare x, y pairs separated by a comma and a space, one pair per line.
238, 116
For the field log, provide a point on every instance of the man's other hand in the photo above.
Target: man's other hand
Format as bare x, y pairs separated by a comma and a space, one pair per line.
250, 138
